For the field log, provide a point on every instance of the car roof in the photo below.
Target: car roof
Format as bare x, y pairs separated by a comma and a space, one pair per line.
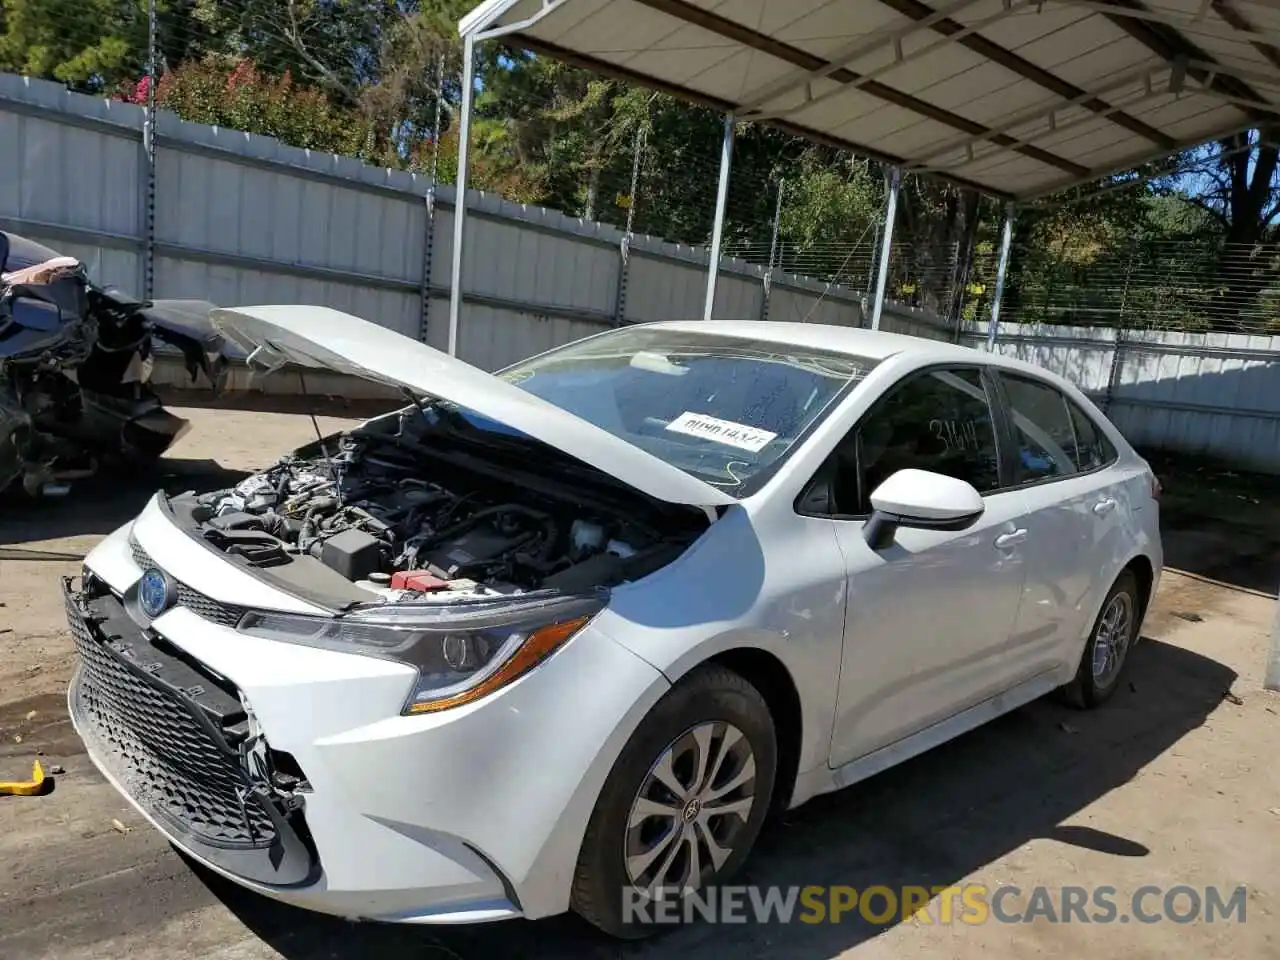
855, 341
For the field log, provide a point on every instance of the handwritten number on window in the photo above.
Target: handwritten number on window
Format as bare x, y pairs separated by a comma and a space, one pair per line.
955, 435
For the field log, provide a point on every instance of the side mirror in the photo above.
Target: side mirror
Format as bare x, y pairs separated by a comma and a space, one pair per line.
4, 251
922, 499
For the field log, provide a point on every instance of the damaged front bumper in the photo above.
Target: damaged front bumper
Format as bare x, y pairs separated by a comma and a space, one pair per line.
182, 746
467, 815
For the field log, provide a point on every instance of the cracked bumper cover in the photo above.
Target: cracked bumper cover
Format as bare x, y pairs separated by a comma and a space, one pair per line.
472, 814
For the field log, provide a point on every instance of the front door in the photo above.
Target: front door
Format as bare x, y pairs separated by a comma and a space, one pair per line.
928, 618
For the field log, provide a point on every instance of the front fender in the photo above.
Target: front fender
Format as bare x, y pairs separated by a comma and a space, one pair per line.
729, 593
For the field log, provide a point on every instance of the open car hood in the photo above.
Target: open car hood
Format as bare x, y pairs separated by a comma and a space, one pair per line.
319, 337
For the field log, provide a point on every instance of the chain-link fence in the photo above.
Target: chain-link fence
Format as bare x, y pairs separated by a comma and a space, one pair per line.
1199, 284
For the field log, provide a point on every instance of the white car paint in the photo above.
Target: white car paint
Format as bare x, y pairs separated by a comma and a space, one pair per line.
927, 495
479, 812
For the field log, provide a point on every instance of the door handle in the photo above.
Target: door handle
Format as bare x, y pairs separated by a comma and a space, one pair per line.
1104, 506
1007, 540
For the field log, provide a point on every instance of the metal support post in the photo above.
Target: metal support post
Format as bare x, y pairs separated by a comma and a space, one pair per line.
460, 189
1272, 679
966, 269
767, 283
624, 275
886, 243
957, 298
428, 244
148, 271
637, 150
717, 229
429, 230
435, 126
872, 261
1006, 239
624, 248
1117, 366
1117, 351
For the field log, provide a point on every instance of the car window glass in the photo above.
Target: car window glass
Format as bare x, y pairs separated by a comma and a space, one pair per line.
1043, 434
1094, 449
939, 421
728, 410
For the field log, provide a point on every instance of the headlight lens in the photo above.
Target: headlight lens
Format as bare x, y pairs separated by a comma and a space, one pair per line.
462, 652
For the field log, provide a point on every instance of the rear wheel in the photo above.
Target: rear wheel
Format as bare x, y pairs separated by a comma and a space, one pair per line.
1107, 652
681, 808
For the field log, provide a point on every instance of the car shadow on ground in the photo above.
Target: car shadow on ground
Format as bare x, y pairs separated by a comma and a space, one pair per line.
98, 505
932, 821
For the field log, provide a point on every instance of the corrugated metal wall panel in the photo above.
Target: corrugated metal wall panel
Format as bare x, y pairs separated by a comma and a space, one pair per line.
61, 174
661, 290
737, 298
504, 260
188, 279
108, 266
493, 338
214, 204
810, 306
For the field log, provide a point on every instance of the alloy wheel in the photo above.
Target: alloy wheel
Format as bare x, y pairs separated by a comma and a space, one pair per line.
690, 810
1111, 642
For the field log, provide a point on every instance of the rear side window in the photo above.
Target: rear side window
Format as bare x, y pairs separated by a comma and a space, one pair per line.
1052, 436
1094, 449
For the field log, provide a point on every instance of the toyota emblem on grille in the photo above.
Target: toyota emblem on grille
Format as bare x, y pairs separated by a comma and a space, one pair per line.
156, 592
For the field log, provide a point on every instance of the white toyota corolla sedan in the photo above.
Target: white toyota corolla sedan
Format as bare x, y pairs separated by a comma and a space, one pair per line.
562, 637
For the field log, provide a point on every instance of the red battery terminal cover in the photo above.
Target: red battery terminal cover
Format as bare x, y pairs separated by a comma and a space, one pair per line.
419, 580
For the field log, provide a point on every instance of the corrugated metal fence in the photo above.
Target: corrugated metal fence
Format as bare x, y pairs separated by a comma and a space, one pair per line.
240, 219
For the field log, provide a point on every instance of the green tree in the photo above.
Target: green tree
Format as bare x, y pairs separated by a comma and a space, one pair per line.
832, 205
90, 45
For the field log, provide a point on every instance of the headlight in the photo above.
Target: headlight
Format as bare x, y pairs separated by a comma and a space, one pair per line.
461, 652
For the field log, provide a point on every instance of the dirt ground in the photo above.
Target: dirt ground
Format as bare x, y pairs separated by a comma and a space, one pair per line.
1173, 782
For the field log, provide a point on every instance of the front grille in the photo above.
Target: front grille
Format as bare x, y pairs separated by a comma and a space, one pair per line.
227, 614
159, 745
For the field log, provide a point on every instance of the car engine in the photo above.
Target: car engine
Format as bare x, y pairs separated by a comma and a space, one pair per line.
375, 509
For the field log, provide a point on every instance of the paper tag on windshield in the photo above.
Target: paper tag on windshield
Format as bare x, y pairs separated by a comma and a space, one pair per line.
722, 431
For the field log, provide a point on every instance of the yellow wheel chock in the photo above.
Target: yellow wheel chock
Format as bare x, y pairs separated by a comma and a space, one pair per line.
25, 788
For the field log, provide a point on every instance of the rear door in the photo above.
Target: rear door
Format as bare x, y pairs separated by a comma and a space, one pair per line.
1061, 464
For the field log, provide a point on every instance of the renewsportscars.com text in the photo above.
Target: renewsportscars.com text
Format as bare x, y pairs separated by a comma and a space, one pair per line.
969, 904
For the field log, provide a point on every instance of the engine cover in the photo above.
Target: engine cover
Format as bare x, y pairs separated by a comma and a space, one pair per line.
475, 546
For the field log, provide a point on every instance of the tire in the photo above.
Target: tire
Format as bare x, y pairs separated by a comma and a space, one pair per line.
711, 713
1108, 647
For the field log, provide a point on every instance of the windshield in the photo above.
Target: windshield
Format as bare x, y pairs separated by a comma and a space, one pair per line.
726, 410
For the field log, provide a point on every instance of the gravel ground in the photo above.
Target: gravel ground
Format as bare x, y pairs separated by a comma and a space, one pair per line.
1174, 782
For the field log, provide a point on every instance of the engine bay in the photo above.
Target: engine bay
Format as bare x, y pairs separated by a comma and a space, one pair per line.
399, 509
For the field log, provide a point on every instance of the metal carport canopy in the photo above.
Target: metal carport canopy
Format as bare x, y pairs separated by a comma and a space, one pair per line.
1015, 98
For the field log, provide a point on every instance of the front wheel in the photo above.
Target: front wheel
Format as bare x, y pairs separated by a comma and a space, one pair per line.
1107, 652
682, 807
